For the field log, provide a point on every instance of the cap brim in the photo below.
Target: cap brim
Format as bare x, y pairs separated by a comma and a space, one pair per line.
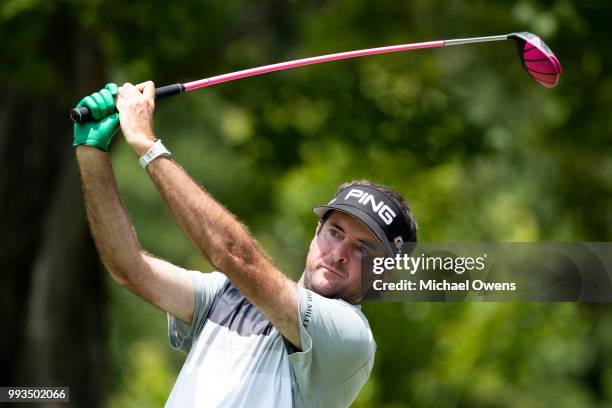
362, 217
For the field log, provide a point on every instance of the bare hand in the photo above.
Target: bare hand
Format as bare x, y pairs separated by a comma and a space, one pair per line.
136, 105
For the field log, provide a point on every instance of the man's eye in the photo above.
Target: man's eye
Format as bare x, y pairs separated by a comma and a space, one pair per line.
333, 232
363, 251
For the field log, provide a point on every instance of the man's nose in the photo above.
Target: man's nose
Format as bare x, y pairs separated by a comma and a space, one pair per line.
340, 252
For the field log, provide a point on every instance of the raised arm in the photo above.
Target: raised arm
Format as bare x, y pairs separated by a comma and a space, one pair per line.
153, 279
212, 229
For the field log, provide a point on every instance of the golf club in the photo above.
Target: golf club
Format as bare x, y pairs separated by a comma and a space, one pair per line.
536, 57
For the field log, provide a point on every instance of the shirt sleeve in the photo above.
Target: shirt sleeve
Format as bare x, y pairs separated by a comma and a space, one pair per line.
337, 348
206, 286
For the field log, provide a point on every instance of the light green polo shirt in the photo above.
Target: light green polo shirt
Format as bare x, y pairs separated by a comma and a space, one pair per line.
236, 358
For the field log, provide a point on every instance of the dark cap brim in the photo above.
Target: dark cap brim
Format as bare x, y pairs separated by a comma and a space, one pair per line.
362, 217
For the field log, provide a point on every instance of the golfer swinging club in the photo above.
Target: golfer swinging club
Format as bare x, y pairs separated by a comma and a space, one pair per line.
254, 338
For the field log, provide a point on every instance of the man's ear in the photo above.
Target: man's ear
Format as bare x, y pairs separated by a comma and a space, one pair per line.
319, 225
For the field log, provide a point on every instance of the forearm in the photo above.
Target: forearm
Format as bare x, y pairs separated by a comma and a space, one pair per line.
112, 231
212, 229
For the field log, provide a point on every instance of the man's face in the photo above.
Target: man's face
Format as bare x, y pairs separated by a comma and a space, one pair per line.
333, 265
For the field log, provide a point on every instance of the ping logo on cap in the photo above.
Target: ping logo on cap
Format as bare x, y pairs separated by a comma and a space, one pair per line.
383, 210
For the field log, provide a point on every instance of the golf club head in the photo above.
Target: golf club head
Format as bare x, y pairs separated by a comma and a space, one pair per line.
537, 58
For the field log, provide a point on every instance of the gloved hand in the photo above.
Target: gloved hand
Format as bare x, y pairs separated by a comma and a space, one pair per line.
100, 132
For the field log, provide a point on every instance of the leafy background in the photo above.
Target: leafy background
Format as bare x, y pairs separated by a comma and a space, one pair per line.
479, 149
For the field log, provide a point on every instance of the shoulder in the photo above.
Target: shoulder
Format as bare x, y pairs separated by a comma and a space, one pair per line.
337, 349
336, 325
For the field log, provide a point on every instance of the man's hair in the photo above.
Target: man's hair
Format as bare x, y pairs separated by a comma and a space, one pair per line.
398, 199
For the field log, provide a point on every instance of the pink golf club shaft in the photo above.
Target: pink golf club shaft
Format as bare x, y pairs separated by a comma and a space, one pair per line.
307, 61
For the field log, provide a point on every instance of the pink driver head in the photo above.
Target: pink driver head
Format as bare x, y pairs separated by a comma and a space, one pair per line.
537, 58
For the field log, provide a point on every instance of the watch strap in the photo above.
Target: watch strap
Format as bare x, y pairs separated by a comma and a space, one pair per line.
157, 150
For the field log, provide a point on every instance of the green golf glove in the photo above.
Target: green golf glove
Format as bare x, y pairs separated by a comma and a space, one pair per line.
100, 132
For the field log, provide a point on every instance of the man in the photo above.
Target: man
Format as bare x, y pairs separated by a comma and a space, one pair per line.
254, 338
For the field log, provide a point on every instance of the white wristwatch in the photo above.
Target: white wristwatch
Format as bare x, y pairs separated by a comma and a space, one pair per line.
157, 150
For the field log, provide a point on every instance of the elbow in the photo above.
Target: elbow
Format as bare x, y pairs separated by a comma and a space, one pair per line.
235, 255
119, 272
118, 275
124, 270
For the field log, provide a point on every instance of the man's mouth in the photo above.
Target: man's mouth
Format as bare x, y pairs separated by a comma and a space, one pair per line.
334, 271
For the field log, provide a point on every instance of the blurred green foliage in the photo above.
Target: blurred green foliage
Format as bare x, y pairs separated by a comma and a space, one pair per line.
481, 151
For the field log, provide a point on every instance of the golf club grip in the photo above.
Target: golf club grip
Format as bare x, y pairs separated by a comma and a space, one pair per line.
82, 114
